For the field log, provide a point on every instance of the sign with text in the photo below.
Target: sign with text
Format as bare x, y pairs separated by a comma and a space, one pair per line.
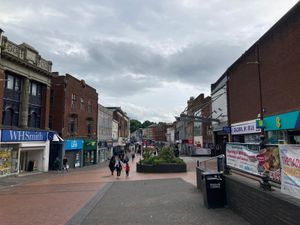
23, 136
251, 159
244, 128
76, 144
290, 172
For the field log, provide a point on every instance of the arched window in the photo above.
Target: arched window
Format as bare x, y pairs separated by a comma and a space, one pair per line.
8, 117
32, 119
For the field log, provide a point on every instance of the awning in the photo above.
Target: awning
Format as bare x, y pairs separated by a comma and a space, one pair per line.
53, 136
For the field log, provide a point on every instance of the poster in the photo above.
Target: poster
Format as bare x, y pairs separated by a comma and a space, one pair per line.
290, 173
251, 159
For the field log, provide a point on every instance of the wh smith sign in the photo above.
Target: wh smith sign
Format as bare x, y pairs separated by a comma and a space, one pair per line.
23, 136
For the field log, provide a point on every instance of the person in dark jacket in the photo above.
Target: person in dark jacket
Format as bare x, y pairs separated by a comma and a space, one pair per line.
111, 165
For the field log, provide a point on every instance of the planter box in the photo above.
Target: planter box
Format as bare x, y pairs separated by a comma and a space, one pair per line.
163, 168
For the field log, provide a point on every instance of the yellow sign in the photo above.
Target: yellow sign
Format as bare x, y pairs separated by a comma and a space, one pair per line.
278, 122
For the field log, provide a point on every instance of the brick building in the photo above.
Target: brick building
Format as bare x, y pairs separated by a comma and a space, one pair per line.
73, 114
25, 78
264, 83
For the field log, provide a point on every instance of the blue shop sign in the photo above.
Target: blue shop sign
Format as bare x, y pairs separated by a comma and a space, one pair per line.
23, 135
73, 144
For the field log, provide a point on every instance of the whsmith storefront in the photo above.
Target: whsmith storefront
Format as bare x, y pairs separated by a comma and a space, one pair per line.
23, 151
283, 128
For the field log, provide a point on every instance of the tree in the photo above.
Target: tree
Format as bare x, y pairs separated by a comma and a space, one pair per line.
147, 123
134, 125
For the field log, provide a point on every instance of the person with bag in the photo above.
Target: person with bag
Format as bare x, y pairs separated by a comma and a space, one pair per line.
65, 164
111, 165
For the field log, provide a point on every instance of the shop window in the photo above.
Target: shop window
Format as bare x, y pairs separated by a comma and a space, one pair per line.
277, 137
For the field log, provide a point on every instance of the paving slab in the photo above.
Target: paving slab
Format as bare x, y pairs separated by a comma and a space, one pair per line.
156, 201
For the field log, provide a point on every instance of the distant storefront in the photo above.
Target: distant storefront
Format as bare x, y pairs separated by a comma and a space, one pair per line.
89, 152
245, 132
23, 151
73, 151
283, 128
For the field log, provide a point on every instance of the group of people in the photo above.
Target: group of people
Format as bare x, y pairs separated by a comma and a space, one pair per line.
117, 163
65, 165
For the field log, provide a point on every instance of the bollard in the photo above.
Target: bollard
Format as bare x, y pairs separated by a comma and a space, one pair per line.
220, 163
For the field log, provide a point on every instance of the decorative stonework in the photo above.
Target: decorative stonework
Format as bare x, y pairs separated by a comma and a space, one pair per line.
25, 54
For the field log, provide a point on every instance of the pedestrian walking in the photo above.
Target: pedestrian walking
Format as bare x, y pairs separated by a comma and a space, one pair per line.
118, 167
127, 168
65, 164
111, 165
132, 156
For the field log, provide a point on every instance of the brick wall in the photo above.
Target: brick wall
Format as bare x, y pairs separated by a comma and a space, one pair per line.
62, 88
279, 56
261, 207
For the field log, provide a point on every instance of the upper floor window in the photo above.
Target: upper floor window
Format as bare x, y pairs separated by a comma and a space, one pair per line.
73, 101
89, 126
89, 106
35, 89
10, 117
72, 124
81, 103
12, 83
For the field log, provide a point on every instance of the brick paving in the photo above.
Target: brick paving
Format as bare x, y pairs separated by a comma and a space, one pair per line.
54, 198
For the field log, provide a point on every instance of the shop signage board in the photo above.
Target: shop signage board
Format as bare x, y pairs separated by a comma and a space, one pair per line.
289, 120
76, 144
251, 159
290, 173
247, 127
23, 136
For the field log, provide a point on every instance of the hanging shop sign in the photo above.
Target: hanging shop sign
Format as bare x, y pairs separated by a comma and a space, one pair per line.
247, 127
290, 120
23, 136
73, 144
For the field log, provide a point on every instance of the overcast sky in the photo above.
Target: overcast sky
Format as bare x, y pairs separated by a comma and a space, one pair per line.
147, 56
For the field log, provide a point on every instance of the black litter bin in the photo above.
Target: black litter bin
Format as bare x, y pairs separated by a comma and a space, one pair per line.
214, 195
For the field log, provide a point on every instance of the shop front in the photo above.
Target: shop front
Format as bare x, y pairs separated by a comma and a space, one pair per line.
283, 128
73, 151
23, 151
245, 132
89, 152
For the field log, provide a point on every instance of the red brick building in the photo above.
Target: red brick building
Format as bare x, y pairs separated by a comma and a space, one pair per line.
73, 114
264, 82
74, 106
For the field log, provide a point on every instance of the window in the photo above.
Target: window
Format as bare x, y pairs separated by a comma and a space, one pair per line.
34, 89
73, 101
8, 117
13, 83
89, 126
89, 106
72, 124
10, 82
81, 104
